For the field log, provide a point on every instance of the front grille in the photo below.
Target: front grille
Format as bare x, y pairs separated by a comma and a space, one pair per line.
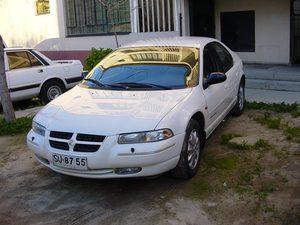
59, 145
86, 148
90, 138
61, 135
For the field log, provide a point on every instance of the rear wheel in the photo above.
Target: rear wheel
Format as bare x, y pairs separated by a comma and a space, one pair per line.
191, 152
238, 109
51, 90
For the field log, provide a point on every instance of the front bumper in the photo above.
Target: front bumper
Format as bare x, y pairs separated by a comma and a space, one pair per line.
153, 158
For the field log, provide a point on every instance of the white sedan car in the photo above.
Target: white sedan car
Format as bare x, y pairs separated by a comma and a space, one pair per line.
31, 74
146, 109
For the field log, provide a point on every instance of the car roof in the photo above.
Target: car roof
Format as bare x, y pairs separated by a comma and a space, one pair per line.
194, 42
16, 49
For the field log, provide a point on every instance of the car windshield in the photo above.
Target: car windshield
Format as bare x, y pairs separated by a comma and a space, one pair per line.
147, 68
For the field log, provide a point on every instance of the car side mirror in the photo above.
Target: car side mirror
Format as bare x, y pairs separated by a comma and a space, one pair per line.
214, 78
84, 73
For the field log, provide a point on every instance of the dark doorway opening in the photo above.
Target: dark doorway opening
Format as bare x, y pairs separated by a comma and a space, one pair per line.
295, 31
202, 18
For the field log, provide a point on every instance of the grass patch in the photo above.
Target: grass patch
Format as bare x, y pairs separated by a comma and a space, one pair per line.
292, 133
20, 126
293, 109
225, 138
243, 146
223, 163
267, 120
262, 144
202, 186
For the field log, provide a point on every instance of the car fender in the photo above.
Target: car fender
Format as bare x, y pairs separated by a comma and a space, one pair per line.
178, 118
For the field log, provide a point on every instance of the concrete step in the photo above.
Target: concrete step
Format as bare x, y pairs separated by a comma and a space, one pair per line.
270, 96
278, 85
270, 77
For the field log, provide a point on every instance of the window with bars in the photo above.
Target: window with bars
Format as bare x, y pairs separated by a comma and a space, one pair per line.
90, 17
155, 15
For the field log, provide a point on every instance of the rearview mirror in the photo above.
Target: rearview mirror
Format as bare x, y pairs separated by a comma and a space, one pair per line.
214, 78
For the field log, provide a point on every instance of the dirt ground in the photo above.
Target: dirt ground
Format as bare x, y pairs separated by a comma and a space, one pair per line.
235, 185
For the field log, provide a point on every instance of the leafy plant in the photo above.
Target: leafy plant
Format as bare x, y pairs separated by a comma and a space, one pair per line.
95, 56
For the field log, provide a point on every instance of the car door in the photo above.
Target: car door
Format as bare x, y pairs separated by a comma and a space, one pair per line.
229, 69
24, 75
215, 95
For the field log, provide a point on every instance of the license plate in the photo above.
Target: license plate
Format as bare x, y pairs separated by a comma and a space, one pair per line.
70, 162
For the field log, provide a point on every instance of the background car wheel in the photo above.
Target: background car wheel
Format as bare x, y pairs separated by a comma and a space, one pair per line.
238, 109
191, 152
51, 90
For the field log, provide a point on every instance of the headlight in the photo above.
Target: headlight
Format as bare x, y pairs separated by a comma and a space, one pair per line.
147, 136
38, 128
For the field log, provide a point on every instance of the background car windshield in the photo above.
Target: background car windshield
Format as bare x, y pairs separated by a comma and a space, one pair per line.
164, 75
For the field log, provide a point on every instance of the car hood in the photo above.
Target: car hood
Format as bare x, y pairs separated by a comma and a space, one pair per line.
109, 112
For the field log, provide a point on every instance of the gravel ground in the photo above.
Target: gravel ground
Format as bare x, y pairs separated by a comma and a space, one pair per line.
226, 190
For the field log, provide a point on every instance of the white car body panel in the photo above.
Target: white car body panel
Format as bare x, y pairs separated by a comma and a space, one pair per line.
114, 112
26, 83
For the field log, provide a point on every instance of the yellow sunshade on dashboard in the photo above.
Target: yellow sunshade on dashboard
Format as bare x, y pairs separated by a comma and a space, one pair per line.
157, 55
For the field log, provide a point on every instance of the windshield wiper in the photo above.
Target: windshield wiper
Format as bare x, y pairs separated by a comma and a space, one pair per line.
140, 85
99, 84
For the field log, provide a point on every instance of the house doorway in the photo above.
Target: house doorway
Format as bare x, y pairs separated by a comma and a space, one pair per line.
202, 18
295, 23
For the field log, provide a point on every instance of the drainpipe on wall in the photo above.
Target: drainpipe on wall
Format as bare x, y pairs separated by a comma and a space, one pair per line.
180, 24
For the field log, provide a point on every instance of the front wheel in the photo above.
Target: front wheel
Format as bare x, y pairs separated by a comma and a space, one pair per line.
191, 152
238, 109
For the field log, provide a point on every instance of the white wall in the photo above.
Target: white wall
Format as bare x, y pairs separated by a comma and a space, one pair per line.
20, 26
272, 28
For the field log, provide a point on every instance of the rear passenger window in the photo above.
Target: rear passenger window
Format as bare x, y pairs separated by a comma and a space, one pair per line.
17, 60
22, 59
224, 56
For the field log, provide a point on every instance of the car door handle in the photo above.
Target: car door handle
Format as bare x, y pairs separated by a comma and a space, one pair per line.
226, 86
40, 71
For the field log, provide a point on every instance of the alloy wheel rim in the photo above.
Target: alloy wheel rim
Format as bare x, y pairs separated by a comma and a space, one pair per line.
241, 97
53, 92
193, 149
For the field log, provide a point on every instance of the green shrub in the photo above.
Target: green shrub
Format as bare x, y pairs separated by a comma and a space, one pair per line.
95, 56
21, 125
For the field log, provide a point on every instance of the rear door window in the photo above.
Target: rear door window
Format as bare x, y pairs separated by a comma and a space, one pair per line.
17, 60
22, 59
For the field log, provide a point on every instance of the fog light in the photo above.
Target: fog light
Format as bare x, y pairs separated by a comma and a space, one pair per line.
125, 171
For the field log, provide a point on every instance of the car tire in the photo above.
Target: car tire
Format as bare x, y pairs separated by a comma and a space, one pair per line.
238, 108
190, 156
51, 90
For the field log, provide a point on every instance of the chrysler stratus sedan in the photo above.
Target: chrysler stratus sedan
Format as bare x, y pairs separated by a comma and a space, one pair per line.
146, 109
